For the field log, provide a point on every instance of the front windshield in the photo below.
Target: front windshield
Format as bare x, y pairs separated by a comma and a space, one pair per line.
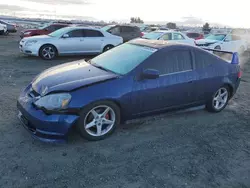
107, 27
59, 32
123, 59
43, 26
218, 37
152, 35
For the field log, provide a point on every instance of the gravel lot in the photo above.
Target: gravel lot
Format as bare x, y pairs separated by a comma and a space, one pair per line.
191, 149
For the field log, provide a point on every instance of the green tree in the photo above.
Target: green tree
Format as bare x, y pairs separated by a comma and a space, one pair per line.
206, 28
136, 20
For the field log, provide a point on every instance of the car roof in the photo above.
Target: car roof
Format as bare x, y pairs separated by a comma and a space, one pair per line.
83, 27
158, 44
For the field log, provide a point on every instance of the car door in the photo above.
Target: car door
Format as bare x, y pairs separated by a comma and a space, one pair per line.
127, 33
207, 78
93, 41
173, 88
73, 43
180, 38
232, 43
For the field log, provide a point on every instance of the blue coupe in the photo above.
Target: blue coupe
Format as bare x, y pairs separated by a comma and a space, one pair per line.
135, 79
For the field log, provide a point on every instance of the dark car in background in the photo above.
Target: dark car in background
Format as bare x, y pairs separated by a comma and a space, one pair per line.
195, 35
138, 78
11, 28
127, 32
43, 30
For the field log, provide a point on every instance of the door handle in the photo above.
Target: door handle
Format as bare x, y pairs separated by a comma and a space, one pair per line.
81, 39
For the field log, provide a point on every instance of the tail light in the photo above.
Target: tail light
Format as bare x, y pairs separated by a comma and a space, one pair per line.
141, 34
239, 74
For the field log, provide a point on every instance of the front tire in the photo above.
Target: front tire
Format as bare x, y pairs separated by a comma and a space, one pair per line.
48, 52
219, 100
98, 120
108, 47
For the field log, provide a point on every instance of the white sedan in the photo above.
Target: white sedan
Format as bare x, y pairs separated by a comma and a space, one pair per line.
169, 35
69, 41
225, 42
3, 29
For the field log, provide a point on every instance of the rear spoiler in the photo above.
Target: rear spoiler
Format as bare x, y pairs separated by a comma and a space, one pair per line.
235, 55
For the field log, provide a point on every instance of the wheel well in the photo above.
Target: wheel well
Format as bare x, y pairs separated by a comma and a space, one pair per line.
50, 45
231, 89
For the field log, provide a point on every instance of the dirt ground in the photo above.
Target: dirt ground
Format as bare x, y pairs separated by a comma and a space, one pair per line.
192, 149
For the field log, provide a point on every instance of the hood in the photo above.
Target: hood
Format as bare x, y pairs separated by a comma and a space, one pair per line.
69, 76
29, 30
38, 37
206, 41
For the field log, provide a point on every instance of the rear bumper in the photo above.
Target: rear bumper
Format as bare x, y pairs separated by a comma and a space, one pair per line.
44, 127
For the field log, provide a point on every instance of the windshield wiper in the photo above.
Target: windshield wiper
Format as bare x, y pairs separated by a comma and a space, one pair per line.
100, 67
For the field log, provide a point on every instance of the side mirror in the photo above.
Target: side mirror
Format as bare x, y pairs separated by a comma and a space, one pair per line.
46, 29
150, 74
65, 36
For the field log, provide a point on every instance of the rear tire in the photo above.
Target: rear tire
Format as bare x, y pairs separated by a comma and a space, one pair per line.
94, 124
108, 47
219, 100
48, 52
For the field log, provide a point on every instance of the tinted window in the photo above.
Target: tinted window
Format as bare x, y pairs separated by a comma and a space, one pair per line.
193, 35
202, 59
124, 58
56, 27
174, 61
126, 29
76, 33
177, 36
92, 33
50, 28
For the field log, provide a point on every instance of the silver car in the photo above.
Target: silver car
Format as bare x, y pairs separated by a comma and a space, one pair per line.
69, 41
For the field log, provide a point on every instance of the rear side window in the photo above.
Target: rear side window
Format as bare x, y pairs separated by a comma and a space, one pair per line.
173, 62
92, 33
202, 59
75, 33
127, 29
193, 35
56, 27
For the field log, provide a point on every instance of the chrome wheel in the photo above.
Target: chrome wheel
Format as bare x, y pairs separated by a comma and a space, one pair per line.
99, 120
48, 52
220, 99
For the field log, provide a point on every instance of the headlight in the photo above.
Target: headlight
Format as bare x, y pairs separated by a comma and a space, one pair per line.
54, 101
31, 42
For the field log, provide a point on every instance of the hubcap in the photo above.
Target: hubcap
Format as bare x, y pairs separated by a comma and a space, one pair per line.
99, 120
48, 53
220, 98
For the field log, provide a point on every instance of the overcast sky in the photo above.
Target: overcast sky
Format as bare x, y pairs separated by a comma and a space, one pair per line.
216, 11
